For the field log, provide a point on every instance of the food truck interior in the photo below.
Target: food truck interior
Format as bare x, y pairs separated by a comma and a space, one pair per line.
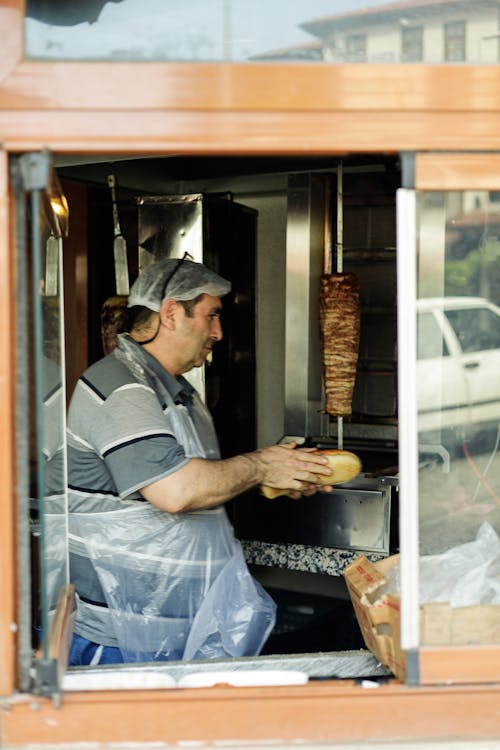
273, 226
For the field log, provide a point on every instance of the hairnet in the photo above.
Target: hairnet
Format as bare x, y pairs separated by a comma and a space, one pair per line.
187, 280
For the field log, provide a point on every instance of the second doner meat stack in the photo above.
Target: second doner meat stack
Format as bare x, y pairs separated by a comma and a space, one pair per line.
339, 311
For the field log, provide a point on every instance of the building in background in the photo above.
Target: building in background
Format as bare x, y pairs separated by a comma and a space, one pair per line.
428, 31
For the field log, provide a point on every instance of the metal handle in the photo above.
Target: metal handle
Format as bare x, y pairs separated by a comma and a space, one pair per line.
116, 218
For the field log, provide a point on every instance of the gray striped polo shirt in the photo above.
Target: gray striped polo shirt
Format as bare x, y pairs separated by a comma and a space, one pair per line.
117, 443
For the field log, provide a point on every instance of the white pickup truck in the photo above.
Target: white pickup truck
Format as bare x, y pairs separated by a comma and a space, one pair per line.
458, 366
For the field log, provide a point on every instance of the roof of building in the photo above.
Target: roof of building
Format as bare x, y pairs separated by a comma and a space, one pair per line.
307, 51
385, 11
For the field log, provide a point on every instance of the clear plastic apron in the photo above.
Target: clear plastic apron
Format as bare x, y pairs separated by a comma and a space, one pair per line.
177, 585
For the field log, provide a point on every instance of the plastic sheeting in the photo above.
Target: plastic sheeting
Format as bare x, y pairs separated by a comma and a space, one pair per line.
465, 575
176, 585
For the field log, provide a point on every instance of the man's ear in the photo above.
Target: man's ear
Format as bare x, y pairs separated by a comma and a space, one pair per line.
168, 312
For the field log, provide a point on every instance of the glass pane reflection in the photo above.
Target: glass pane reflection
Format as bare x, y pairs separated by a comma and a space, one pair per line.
47, 403
458, 387
265, 30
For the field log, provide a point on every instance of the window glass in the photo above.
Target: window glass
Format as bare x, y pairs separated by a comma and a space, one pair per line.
454, 41
412, 41
476, 328
265, 30
458, 396
356, 48
42, 213
430, 342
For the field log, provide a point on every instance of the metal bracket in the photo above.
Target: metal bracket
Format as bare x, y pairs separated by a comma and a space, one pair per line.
408, 170
35, 170
46, 679
48, 671
412, 667
391, 481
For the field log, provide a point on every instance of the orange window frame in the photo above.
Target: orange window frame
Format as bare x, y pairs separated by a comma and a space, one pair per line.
249, 108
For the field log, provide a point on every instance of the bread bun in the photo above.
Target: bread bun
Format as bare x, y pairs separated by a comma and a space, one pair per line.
345, 466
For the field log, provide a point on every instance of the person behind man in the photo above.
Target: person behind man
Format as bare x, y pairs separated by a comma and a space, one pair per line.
157, 570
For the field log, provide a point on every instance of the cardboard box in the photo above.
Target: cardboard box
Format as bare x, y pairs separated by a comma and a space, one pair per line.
378, 615
443, 625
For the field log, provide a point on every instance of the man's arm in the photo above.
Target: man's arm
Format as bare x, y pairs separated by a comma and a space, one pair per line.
203, 483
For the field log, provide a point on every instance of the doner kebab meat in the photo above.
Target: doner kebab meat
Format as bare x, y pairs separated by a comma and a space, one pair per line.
339, 313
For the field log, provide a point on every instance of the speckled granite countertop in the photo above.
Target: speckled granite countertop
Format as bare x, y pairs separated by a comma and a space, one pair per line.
309, 559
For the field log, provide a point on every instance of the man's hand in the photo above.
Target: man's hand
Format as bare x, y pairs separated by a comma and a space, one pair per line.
295, 475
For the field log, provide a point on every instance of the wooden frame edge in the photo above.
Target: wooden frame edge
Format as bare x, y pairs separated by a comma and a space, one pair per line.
457, 171
317, 712
459, 665
8, 524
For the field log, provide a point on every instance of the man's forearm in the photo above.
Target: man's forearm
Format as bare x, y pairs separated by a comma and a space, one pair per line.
203, 483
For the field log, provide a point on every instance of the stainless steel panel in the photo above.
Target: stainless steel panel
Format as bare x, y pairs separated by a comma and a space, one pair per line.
357, 515
174, 222
360, 515
304, 265
360, 521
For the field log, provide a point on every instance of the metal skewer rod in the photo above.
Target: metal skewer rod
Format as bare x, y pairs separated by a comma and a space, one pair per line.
327, 229
340, 221
327, 270
340, 268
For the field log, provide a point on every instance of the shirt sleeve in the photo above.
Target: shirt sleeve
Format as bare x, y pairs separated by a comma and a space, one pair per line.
132, 438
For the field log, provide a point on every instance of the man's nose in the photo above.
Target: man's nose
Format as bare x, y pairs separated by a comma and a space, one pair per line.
216, 332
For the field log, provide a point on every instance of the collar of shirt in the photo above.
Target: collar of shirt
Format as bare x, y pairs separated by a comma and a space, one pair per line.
179, 388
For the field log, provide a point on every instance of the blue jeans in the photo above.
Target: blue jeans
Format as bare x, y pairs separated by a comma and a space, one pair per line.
83, 651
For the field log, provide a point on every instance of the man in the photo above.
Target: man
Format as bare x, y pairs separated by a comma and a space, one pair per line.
157, 569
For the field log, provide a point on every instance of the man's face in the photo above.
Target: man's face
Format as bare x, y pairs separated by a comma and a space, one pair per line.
198, 334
